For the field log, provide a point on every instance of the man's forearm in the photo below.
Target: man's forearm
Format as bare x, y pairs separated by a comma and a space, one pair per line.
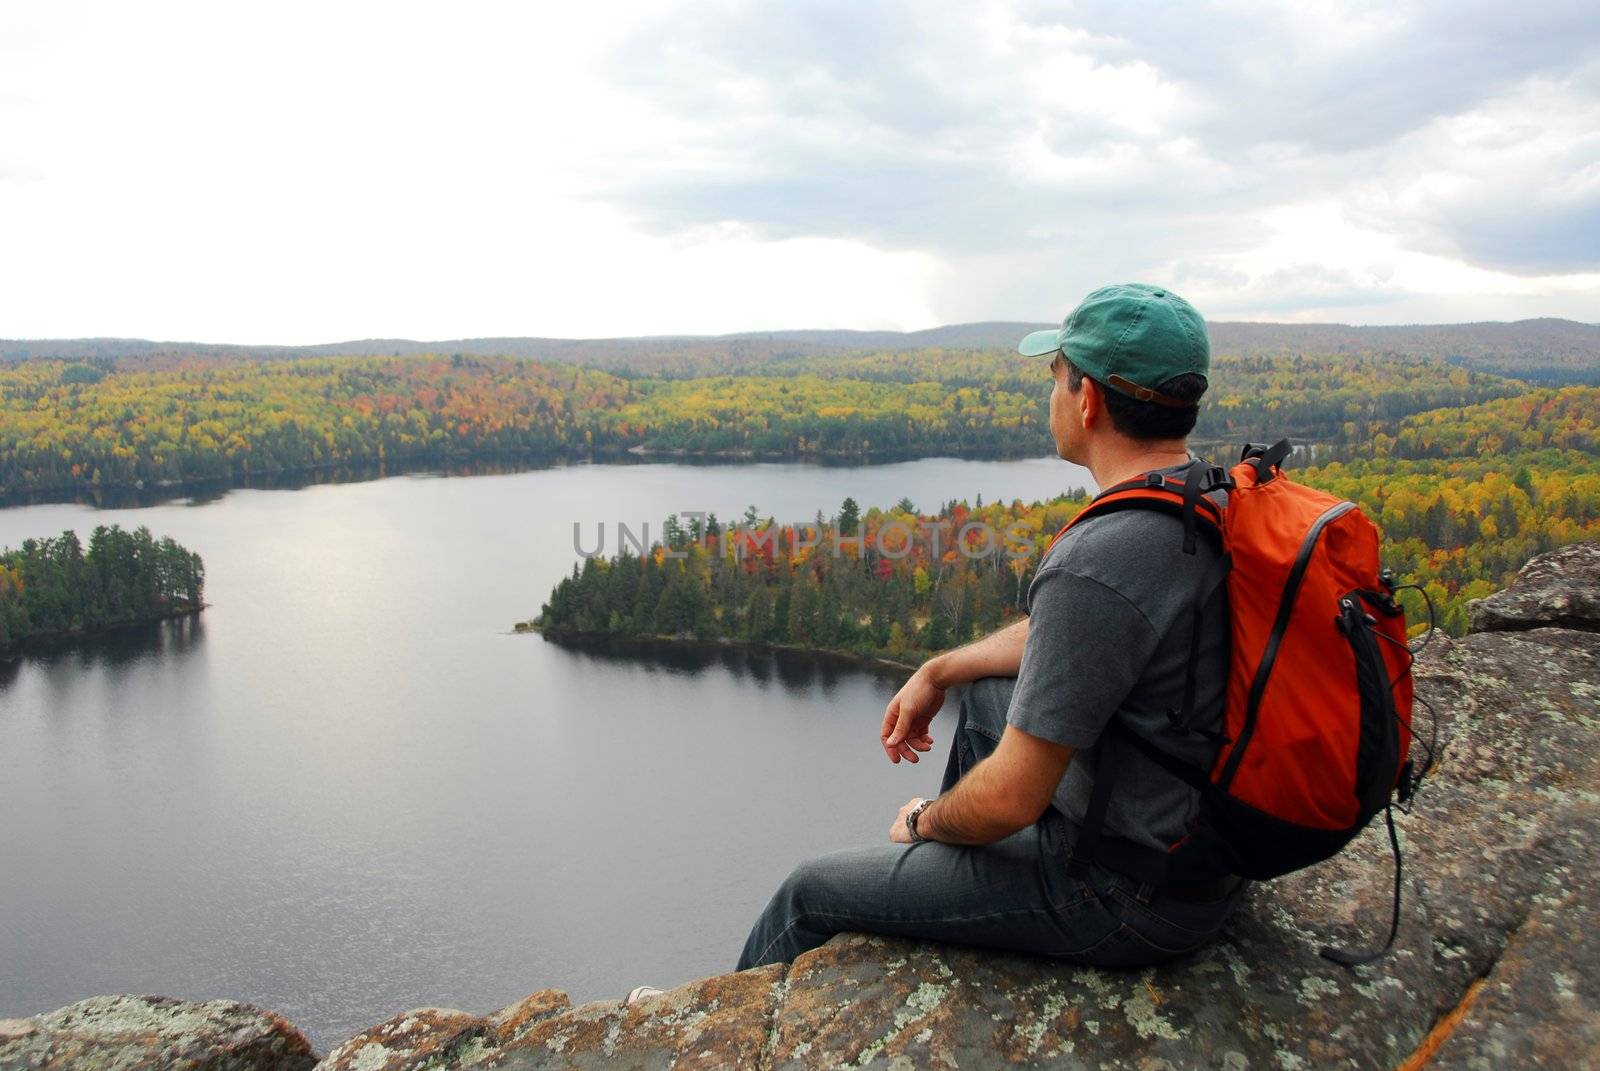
975, 811
998, 654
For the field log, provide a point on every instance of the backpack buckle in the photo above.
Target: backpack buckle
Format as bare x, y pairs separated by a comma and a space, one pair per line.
1155, 479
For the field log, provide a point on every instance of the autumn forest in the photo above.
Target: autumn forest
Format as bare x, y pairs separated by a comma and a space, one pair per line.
1467, 471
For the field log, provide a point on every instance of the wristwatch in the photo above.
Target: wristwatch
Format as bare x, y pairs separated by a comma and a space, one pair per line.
911, 821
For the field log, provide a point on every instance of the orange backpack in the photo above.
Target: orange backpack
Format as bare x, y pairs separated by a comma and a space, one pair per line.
1316, 728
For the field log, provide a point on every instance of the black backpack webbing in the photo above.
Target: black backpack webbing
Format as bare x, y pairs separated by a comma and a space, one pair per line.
1352, 959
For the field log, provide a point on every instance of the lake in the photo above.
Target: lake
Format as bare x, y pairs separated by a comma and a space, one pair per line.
347, 789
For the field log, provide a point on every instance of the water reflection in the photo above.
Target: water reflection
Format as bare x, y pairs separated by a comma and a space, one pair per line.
116, 649
793, 669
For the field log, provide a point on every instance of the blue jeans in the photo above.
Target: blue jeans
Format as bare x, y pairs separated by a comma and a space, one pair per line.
1013, 894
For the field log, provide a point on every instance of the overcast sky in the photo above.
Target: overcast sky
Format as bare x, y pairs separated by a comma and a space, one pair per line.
305, 172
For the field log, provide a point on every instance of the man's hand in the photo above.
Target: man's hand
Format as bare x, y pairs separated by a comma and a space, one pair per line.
906, 719
898, 832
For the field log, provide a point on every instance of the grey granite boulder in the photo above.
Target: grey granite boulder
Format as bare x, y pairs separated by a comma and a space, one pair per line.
1560, 588
126, 1033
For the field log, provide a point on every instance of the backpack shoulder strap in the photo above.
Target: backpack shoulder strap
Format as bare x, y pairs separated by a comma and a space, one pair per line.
1183, 497
1199, 480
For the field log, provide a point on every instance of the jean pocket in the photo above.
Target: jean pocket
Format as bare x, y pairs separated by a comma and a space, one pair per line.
1169, 924
1087, 943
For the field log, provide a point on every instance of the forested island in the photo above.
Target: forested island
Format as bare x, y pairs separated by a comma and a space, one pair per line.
55, 587
1462, 496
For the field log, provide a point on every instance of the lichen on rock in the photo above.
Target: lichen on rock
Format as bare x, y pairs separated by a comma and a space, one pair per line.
124, 1033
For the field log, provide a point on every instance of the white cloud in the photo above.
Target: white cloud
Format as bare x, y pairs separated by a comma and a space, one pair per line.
1318, 264
307, 172
1511, 184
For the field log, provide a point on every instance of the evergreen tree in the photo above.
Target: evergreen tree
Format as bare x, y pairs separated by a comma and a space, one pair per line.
801, 610
758, 615
849, 517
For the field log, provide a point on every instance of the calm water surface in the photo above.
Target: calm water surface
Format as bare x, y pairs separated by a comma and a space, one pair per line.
346, 789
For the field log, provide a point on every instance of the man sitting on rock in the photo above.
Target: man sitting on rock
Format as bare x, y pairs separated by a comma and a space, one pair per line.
1107, 635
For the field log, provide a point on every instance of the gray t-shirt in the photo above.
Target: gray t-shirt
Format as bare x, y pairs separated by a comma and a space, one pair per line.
1110, 612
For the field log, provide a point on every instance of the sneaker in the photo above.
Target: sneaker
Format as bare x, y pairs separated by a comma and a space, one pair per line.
640, 992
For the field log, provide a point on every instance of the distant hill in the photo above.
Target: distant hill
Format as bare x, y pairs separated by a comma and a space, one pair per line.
1543, 351
1547, 351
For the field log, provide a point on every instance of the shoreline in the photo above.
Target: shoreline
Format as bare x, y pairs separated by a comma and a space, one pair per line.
878, 663
153, 492
31, 643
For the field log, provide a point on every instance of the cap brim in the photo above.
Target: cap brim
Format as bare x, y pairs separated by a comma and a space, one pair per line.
1040, 343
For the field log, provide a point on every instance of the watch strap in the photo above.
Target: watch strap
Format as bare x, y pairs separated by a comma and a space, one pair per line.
911, 821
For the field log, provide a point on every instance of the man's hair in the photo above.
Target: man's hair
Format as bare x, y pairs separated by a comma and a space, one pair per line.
1147, 421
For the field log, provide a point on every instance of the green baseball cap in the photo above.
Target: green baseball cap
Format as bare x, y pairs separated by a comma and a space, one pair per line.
1130, 337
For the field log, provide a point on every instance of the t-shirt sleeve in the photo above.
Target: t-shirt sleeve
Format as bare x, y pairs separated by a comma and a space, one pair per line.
1087, 648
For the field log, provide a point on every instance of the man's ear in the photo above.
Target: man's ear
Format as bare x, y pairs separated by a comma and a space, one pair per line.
1091, 402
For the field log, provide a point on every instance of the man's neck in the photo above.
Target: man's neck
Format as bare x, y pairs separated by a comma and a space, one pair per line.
1120, 463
